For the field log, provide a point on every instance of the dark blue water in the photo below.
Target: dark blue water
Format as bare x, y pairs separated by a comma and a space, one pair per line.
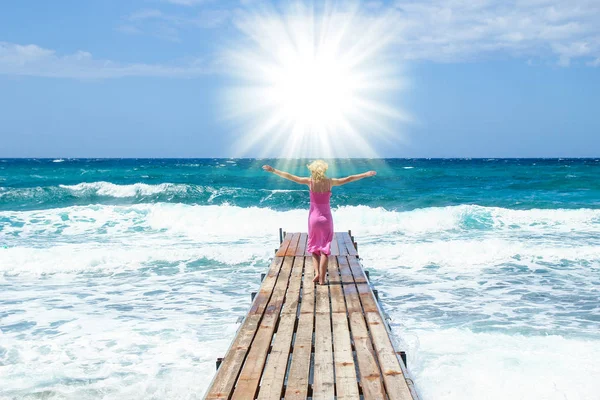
401, 184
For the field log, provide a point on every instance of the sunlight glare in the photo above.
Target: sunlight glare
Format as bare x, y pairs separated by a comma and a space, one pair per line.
313, 82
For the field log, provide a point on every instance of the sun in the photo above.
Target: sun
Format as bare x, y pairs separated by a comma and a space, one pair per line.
312, 82
314, 90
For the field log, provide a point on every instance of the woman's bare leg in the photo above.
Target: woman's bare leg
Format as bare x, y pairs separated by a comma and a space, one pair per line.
322, 268
315, 258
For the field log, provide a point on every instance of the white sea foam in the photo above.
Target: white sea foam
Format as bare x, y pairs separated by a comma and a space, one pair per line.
115, 340
467, 217
113, 190
134, 254
459, 364
58, 160
138, 301
473, 254
197, 221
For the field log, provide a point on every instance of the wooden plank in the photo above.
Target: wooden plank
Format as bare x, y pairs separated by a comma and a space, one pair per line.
307, 253
297, 383
341, 313
222, 384
345, 273
349, 245
251, 372
341, 243
302, 245
335, 251
291, 250
393, 376
345, 369
323, 385
358, 273
370, 376
284, 245
273, 376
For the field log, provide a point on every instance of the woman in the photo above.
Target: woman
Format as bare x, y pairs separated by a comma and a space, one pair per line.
320, 222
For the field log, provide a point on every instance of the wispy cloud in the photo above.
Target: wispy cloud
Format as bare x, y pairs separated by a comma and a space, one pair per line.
167, 26
536, 31
457, 30
146, 14
187, 2
32, 60
450, 31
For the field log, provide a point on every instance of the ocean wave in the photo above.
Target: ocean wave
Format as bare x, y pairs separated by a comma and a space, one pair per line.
470, 255
141, 253
120, 191
228, 219
455, 237
142, 185
99, 192
469, 218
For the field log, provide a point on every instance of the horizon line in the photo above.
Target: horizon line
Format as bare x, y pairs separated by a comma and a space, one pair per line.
304, 158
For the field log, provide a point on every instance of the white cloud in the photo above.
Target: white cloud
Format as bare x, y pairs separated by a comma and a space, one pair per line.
168, 26
32, 60
463, 30
536, 31
544, 31
186, 2
145, 14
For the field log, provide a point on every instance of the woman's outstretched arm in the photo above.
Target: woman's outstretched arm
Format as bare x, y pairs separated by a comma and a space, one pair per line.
287, 175
352, 178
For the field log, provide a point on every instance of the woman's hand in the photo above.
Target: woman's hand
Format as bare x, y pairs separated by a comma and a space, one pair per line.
268, 168
371, 173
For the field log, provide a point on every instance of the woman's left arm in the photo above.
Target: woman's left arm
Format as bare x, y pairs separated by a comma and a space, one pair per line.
287, 175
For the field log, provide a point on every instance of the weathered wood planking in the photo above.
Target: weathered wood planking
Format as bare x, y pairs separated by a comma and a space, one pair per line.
291, 250
297, 385
272, 380
395, 381
345, 369
349, 245
247, 382
301, 245
341, 242
227, 373
270, 357
284, 245
370, 376
323, 385
335, 250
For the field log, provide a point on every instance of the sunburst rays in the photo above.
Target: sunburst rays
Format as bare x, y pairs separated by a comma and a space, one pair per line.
313, 82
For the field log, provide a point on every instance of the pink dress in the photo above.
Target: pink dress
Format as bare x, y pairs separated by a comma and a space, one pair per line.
320, 223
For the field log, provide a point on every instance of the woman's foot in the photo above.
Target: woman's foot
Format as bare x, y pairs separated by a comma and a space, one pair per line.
316, 279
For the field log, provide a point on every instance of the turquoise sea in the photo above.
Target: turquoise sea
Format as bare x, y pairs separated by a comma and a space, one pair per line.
124, 278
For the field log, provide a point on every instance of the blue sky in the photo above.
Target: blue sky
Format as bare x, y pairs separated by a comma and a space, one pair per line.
118, 78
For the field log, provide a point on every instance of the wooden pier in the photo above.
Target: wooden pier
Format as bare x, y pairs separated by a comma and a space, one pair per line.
300, 340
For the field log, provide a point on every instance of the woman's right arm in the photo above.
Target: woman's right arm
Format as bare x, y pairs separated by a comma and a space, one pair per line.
352, 178
287, 175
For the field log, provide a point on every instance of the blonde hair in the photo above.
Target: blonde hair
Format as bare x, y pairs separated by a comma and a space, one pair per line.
317, 169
